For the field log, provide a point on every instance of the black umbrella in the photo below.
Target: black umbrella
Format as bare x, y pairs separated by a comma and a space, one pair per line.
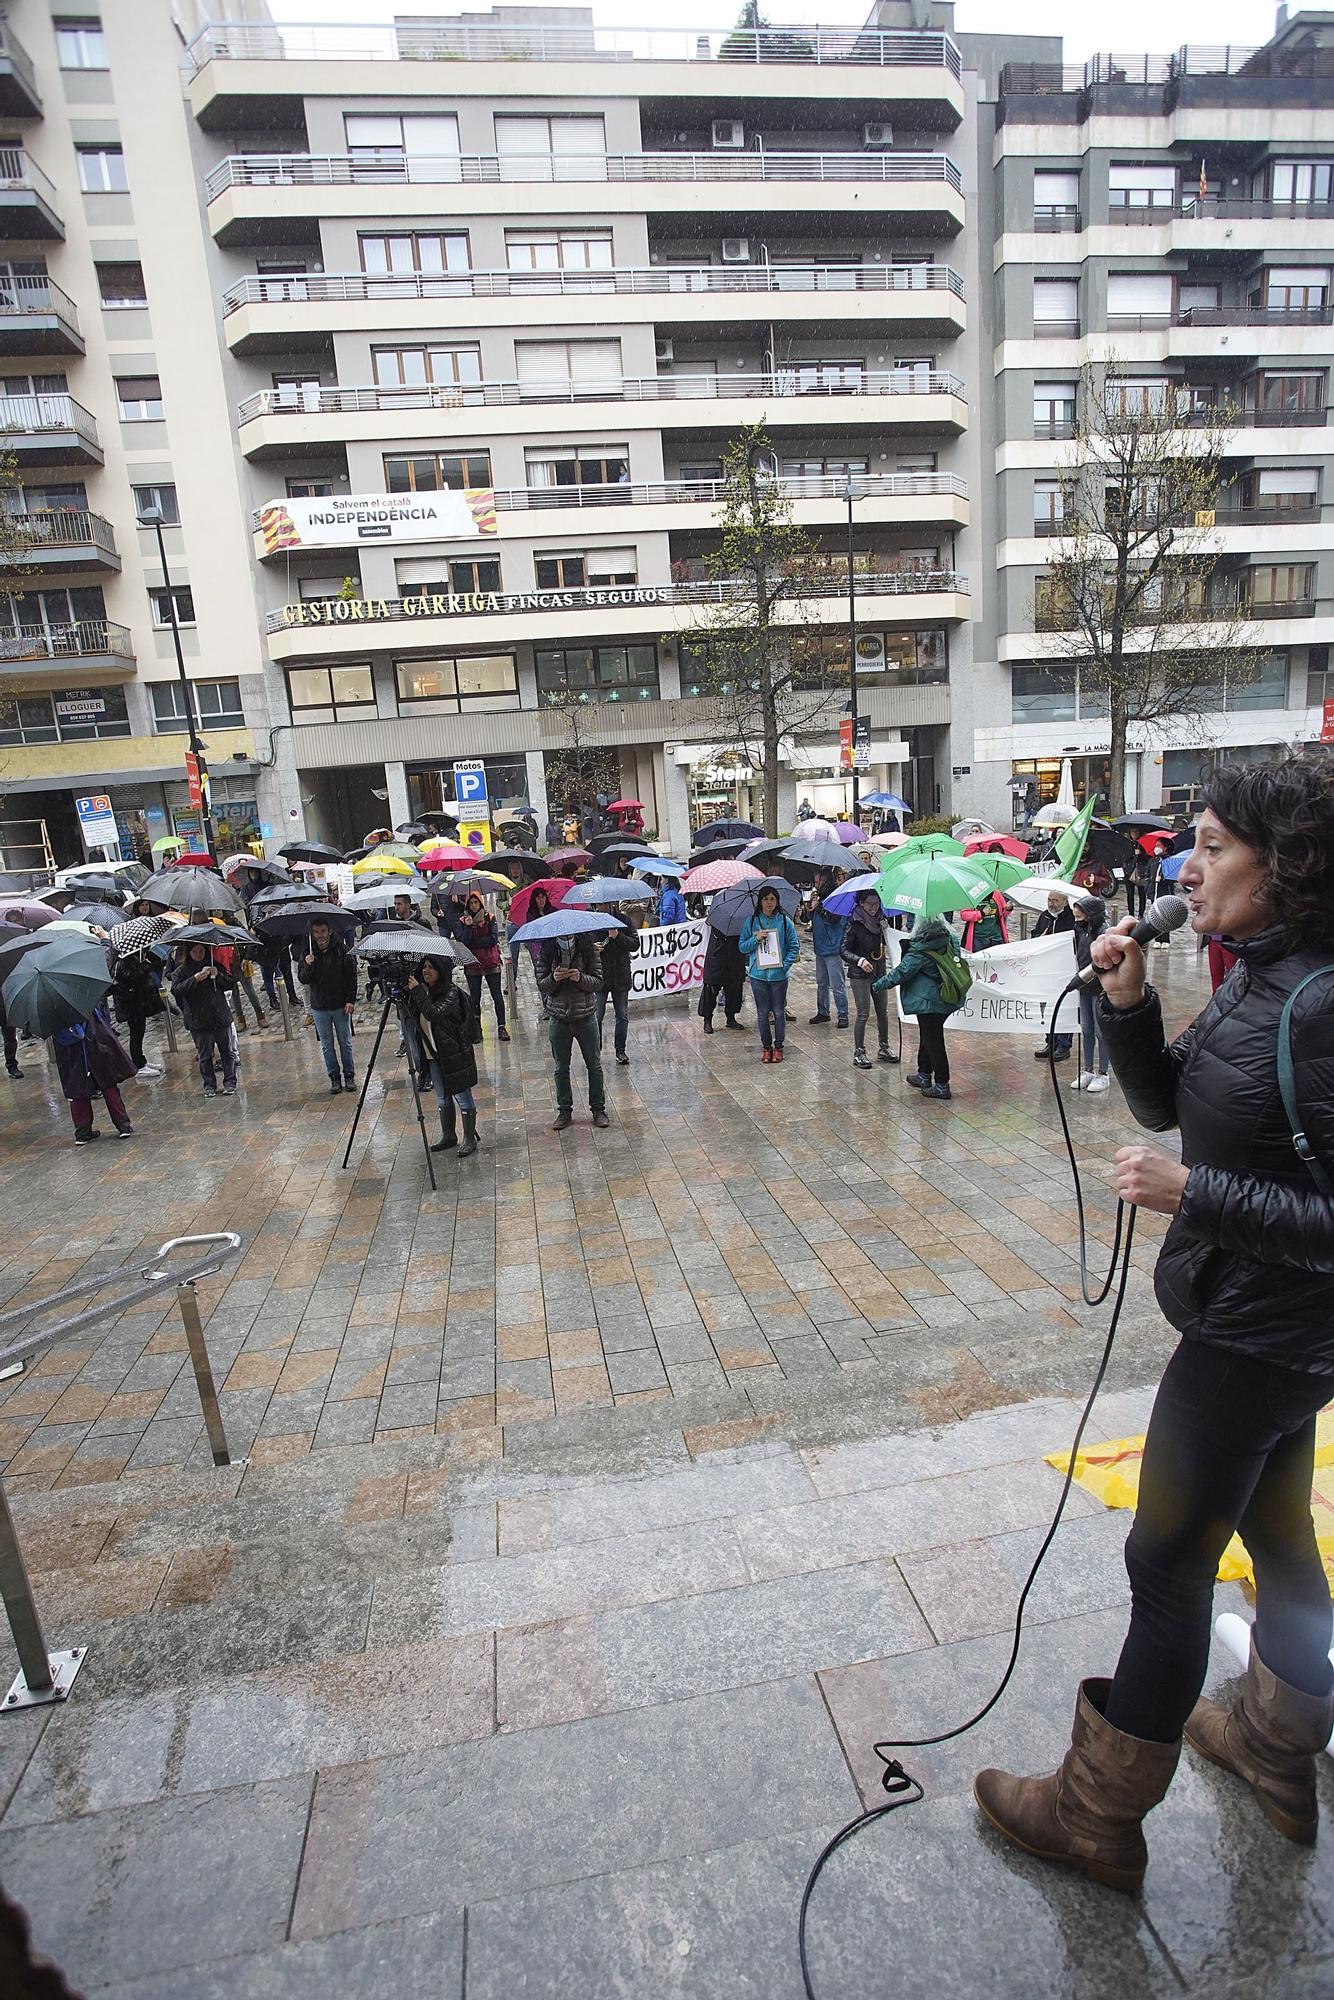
310, 850
91, 891
728, 829
807, 859
757, 851
293, 920
279, 897
196, 891
719, 850
731, 908
105, 916
615, 847
1142, 823
404, 941
212, 934
414, 832
533, 866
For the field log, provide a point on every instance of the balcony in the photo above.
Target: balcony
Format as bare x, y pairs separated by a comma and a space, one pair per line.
48, 430
71, 539
1218, 316
36, 317
277, 422
250, 193
1219, 208
267, 314
459, 41
18, 80
1195, 76
29, 205
43, 652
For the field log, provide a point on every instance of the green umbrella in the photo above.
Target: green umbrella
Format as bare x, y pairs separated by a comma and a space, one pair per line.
1002, 869
56, 985
932, 884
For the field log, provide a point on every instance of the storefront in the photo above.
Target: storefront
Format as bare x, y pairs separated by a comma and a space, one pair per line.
431, 786
1036, 781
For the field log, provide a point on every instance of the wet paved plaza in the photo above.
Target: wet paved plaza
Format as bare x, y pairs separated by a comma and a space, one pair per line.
601, 1509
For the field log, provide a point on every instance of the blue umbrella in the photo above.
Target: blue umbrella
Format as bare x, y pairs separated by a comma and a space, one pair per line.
843, 901
1171, 866
607, 889
564, 923
657, 864
885, 802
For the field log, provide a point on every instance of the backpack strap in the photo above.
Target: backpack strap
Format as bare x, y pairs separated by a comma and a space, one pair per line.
1287, 1085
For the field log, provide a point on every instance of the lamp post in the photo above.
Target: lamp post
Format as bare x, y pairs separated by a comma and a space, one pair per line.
153, 519
852, 656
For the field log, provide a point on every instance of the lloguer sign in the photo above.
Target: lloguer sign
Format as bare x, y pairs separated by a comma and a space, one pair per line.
468, 604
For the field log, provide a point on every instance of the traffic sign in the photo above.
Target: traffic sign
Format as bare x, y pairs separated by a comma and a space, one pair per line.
470, 783
97, 822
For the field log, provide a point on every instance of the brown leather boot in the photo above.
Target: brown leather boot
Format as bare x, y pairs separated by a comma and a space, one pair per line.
1088, 1813
1271, 1739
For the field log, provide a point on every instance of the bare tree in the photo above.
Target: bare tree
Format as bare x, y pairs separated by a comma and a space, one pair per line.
748, 649
576, 768
17, 540
1137, 590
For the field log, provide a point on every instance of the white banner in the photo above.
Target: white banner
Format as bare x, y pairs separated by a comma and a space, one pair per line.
1014, 988
339, 518
670, 960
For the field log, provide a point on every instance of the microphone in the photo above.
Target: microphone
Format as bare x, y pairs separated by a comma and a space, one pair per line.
1167, 913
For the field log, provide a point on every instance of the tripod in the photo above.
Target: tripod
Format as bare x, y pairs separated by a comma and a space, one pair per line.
395, 999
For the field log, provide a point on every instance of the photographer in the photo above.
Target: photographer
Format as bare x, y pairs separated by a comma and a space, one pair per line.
1246, 1276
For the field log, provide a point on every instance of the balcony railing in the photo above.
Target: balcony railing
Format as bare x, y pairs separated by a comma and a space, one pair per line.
23, 296
1219, 208
1051, 219
1279, 607
1210, 316
360, 612
343, 288
794, 382
68, 528
390, 168
91, 636
1196, 59
14, 53
19, 172
433, 41
34, 415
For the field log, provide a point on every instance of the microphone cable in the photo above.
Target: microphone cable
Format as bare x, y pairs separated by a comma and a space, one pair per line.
900, 1787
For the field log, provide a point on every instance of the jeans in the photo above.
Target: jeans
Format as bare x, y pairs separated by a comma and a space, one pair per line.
11, 1036
245, 984
863, 998
1230, 1447
268, 973
829, 980
463, 1098
81, 1109
331, 1021
932, 1060
206, 1040
475, 995
620, 1003
770, 997
564, 1034
1090, 1033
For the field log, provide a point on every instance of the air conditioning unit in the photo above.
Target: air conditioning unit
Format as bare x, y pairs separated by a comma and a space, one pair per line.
663, 353
876, 137
736, 249
727, 135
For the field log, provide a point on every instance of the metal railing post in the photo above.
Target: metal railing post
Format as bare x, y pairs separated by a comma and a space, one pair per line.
280, 988
170, 1026
208, 1395
42, 1676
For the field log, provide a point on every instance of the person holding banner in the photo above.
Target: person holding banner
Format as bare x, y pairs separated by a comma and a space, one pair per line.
1090, 914
725, 977
770, 947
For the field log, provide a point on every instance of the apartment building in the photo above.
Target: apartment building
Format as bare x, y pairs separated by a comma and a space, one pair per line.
112, 408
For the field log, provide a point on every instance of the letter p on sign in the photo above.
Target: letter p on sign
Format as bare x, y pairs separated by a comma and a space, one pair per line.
470, 783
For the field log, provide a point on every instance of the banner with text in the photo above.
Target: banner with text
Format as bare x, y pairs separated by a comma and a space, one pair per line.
1015, 987
670, 960
336, 519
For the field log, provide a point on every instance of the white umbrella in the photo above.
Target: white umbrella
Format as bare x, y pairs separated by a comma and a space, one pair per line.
817, 829
967, 829
1032, 893
888, 840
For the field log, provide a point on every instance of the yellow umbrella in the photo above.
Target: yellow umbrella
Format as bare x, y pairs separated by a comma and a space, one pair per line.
376, 864
436, 840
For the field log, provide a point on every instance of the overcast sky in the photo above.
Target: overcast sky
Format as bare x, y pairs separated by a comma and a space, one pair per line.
1141, 26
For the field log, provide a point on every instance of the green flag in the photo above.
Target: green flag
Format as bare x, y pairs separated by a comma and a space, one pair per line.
1070, 843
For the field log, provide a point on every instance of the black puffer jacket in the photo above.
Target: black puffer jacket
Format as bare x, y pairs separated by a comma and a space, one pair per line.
617, 953
447, 1014
1248, 1261
863, 940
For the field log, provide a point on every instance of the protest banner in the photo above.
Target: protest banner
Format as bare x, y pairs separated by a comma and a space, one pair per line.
670, 959
1015, 986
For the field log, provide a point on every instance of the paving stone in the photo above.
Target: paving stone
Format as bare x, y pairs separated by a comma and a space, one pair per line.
422, 1955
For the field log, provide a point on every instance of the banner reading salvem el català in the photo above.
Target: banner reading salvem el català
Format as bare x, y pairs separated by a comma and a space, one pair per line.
670, 959
338, 519
1015, 987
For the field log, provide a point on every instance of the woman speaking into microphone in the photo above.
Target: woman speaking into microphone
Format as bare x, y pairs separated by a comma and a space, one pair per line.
1246, 1276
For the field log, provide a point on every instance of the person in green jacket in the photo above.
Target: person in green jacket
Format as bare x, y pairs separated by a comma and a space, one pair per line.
918, 976
770, 947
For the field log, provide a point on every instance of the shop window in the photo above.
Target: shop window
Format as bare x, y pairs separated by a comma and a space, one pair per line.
597, 673
456, 685
330, 694
1043, 694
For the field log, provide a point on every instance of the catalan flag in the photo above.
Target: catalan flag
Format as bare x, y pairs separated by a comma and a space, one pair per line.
278, 529
482, 505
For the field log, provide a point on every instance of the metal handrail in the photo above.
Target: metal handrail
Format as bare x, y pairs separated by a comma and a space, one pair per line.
46, 1677
1221, 208
50, 411
37, 295
1211, 316
347, 287
73, 527
797, 381
465, 41
390, 167
90, 636
18, 169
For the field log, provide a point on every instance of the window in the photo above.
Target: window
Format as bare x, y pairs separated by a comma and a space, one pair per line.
310, 489
704, 471
1270, 589
51, 617
914, 461
1055, 305
157, 500
140, 398
1319, 676
47, 498
823, 466
217, 704
1054, 409
1043, 694
426, 366
828, 377
1136, 395
439, 576
161, 602
1139, 299
121, 285
1197, 298
1291, 489
67, 715
1296, 288
80, 42
1055, 199
598, 569
1048, 506
1299, 180
1141, 187
453, 471
560, 572
102, 170
330, 694
1267, 688
454, 686
419, 146
583, 367
560, 148
598, 673
535, 250
431, 254
1293, 397
577, 465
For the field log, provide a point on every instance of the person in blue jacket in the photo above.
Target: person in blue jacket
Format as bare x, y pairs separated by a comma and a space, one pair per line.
671, 904
770, 947
827, 944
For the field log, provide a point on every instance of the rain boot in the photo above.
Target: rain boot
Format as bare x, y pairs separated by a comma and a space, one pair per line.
469, 1135
1271, 1739
1088, 1814
449, 1135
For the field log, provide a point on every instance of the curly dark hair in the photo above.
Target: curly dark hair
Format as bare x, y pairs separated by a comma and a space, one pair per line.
1284, 812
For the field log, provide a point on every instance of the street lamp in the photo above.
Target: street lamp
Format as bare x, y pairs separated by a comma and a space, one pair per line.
153, 519
852, 655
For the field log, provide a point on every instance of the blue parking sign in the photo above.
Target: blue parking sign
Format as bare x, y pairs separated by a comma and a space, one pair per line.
470, 782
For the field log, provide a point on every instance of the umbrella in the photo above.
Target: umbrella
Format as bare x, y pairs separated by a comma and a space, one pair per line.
843, 900
413, 832
929, 883
377, 898
718, 850
279, 893
728, 829
624, 847
565, 923
197, 891
997, 843
408, 942
1142, 823
888, 840
104, 916
57, 984
267, 871
97, 889
885, 802
730, 909
169, 843
607, 889
214, 934
626, 806
557, 888
818, 829
396, 850
138, 934
1032, 893
657, 864
1055, 814
966, 829
310, 850
442, 855
1172, 865
717, 875
1156, 843
290, 920
24, 912
473, 881
378, 862
812, 854
756, 851
561, 858
532, 865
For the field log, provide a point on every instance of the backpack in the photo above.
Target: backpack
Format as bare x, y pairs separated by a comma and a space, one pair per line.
1287, 1085
954, 975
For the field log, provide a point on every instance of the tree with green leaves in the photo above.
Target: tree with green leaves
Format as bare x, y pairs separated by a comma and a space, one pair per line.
747, 649
1137, 591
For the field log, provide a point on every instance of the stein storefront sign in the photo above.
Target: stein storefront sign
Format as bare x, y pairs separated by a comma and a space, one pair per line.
334, 520
465, 604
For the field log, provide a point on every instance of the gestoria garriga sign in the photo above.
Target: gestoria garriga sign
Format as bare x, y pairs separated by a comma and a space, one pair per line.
334, 520
468, 603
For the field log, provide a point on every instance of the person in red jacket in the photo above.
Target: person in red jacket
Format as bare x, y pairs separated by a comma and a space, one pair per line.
477, 929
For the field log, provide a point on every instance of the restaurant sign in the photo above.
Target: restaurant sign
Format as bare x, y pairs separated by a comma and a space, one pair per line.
467, 604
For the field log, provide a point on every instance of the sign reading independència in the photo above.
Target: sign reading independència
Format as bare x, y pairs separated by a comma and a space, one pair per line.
334, 520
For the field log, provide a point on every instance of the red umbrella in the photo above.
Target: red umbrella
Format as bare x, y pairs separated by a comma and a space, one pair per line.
557, 888
997, 843
1156, 843
561, 858
626, 806
449, 855
722, 874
